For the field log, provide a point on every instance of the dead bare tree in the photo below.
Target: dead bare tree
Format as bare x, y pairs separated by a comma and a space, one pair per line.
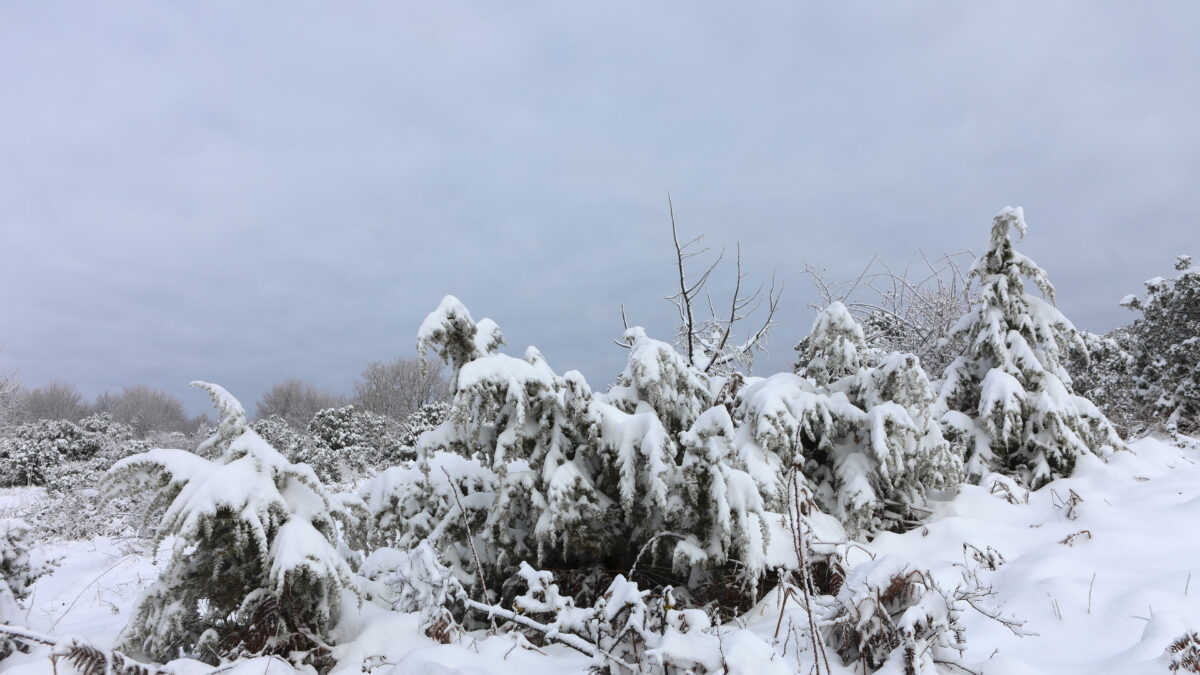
906, 310
397, 389
10, 397
296, 401
57, 400
705, 340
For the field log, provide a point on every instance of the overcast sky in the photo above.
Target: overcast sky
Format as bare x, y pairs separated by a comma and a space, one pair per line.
245, 192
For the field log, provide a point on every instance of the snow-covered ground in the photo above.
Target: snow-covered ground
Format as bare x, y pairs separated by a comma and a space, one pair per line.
1099, 566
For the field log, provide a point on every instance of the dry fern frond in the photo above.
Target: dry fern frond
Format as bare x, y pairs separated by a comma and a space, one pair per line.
989, 557
88, 660
1070, 539
1185, 654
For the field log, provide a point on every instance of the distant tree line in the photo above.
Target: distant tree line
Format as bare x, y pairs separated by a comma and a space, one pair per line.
46, 432
391, 389
140, 407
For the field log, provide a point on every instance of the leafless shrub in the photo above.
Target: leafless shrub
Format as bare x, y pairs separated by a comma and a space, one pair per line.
706, 335
144, 409
295, 401
55, 401
905, 310
397, 389
10, 397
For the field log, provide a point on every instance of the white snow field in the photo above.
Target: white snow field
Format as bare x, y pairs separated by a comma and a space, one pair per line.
1099, 566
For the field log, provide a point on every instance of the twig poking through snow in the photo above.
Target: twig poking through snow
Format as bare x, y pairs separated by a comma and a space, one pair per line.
470, 536
647, 546
1093, 583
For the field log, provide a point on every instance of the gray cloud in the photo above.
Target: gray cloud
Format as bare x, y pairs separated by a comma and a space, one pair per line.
243, 194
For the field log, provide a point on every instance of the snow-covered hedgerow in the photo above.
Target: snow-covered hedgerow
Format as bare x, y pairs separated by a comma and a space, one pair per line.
1009, 398
255, 566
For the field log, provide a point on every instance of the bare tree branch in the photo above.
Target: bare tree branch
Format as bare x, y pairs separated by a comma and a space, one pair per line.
905, 309
707, 341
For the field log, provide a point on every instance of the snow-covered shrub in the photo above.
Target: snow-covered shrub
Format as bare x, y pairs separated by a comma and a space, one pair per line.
426, 418
1166, 347
103, 423
255, 566
1107, 376
549, 472
889, 613
416, 581
659, 377
1010, 393
23, 462
633, 630
282, 436
412, 504
834, 347
864, 438
30, 451
17, 573
347, 443
451, 333
76, 509
722, 503
347, 427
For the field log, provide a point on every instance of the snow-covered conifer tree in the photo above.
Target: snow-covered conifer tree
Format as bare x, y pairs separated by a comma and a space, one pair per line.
834, 347
254, 567
1009, 397
928, 461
